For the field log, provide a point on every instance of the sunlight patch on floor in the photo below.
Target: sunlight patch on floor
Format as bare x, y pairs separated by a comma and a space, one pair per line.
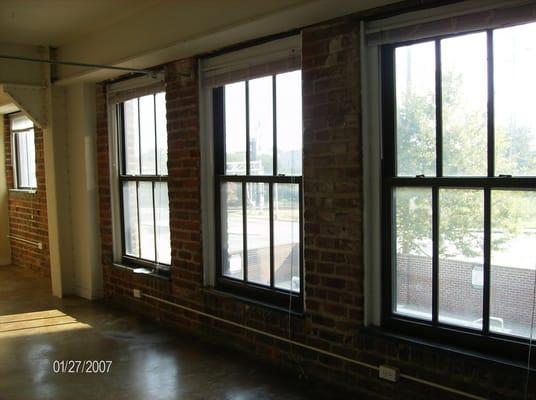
38, 322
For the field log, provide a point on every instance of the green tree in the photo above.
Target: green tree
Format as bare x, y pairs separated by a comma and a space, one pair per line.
464, 153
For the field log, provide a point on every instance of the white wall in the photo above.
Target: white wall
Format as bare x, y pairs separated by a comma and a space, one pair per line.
81, 127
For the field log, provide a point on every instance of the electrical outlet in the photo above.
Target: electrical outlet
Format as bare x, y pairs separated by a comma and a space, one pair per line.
388, 373
136, 293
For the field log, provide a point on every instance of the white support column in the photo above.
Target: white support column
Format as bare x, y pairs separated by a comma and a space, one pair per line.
81, 109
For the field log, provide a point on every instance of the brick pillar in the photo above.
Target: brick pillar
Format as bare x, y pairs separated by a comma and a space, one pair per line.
103, 168
184, 166
332, 179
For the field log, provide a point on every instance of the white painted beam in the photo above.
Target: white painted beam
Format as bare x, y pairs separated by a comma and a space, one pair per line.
31, 100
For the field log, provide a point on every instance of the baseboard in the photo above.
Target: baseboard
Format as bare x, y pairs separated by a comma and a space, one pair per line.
5, 261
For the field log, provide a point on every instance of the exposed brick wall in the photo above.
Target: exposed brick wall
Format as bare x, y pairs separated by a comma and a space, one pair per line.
184, 181
333, 244
27, 210
103, 168
332, 180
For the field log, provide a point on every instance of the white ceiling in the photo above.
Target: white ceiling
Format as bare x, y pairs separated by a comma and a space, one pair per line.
59, 22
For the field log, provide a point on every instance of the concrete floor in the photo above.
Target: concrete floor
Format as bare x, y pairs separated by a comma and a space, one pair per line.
148, 361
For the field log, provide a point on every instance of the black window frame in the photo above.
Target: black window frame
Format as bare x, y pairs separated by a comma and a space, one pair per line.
126, 259
268, 295
16, 151
484, 342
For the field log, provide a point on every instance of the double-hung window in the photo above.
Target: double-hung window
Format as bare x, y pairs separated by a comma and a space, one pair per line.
459, 186
23, 145
143, 187
258, 174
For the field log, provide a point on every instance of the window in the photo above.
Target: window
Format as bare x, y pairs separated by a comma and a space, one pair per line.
23, 145
143, 184
459, 185
258, 168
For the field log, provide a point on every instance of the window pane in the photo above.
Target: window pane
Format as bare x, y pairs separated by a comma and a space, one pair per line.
287, 236
513, 265
413, 232
32, 179
130, 217
235, 129
515, 84
289, 123
145, 197
461, 252
464, 97
131, 138
415, 110
22, 159
163, 243
232, 240
147, 135
261, 126
161, 133
25, 158
258, 232
21, 123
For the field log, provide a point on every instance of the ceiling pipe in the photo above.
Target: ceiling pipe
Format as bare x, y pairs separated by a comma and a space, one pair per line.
152, 73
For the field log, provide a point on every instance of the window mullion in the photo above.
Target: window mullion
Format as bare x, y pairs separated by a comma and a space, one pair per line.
245, 231
139, 137
16, 158
272, 266
487, 191
487, 260
26, 161
156, 167
138, 216
248, 155
274, 123
439, 110
491, 107
154, 223
435, 255
435, 189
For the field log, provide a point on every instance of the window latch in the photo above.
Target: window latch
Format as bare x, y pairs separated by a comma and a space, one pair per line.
504, 176
419, 176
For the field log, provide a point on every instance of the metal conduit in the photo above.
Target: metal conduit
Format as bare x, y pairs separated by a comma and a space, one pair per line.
305, 346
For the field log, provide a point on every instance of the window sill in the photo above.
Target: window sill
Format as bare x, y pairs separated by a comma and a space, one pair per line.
427, 344
23, 191
249, 301
160, 274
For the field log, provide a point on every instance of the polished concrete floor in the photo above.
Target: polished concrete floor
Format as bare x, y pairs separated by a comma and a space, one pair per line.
148, 361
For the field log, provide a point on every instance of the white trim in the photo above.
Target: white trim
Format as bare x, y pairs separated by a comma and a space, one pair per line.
136, 87
134, 83
113, 146
218, 70
207, 188
275, 50
371, 136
